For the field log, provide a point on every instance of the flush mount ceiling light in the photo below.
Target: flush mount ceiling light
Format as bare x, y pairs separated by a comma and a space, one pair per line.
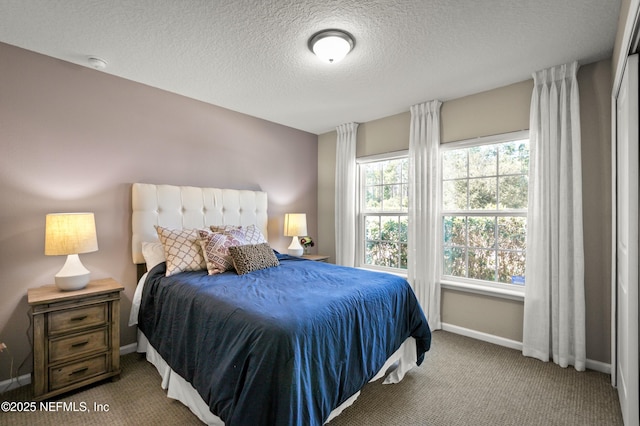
331, 45
97, 63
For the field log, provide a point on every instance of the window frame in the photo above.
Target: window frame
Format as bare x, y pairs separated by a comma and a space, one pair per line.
493, 288
361, 214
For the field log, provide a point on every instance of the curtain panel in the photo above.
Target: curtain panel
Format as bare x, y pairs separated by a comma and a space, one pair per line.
425, 238
345, 226
554, 306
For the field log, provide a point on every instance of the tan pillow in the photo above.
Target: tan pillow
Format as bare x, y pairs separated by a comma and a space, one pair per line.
182, 250
252, 257
249, 234
215, 247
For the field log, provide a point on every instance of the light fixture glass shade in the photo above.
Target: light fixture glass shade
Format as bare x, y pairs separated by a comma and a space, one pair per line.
70, 234
331, 45
295, 225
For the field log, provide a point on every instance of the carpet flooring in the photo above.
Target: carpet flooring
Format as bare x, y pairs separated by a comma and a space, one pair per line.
462, 382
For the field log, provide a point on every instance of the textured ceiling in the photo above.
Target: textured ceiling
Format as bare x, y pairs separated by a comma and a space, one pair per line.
251, 56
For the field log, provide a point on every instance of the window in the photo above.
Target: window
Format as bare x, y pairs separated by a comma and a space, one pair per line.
383, 211
484, 209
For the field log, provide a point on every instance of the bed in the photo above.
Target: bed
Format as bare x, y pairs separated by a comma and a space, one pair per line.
292, 342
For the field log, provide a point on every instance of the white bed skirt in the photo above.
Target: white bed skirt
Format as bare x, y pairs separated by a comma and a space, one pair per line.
404, 359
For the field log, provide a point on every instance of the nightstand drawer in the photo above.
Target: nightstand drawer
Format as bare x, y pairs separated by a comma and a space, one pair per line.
70, 346
76, 336
81, 370
79, 318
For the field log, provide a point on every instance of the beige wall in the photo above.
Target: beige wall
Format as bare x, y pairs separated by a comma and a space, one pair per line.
74, 139
385, 135
326, 241
502, 110
595, 109
497, 111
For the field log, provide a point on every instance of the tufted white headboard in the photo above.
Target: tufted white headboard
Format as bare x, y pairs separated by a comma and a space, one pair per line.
180, 207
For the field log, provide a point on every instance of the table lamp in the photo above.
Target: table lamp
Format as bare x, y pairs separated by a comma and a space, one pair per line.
70, 234
295, 225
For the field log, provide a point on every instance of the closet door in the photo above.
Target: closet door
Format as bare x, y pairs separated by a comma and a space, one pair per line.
627, 158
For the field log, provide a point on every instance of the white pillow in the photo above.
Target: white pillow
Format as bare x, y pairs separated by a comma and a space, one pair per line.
153, 254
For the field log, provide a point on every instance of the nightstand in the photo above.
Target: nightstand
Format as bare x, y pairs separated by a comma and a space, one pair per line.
316, 257
76, 336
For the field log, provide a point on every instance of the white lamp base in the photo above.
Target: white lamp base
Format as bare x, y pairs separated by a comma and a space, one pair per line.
295, 249
73, 275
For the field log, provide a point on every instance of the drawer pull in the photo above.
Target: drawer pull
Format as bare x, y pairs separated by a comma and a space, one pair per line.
79, 371
77, 345
79, 318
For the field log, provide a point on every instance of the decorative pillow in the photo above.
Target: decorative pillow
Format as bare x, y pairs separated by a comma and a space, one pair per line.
153, 254
253, 235
234, 231
181, 249
225, 228
215, 247
252, 257
249, 234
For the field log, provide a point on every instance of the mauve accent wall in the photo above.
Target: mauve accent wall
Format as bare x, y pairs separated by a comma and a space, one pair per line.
75, 139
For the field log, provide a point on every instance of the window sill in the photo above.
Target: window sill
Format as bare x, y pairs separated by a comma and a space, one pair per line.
504, 293
386, 270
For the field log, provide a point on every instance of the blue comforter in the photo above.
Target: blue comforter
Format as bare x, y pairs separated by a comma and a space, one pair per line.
279, 346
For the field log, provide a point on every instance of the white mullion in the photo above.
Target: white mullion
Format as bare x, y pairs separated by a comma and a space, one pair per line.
495, 245
497, 177
389, 213
495, 218
500, 213
466, 246
466, 221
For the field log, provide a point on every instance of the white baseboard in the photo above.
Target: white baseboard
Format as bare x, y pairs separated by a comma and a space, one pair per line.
485, 337
128, 349
25, 379
602, 367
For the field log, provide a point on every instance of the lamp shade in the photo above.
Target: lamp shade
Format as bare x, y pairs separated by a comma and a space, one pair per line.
70, 233
331, 45
295, 224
